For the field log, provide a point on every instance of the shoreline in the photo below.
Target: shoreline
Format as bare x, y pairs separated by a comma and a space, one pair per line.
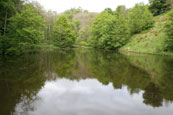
159, 54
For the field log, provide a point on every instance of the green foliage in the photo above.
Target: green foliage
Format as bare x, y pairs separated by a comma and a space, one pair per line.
50, 18
121, 10
70, 13
108, 31
169, 32
139, 18
8, 7
158, 6
76, 25
109, 10
26, 25
86, 20
83, 43
150, 41
25, 29
62, 34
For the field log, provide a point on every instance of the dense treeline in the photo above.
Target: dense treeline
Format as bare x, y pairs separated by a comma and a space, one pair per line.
22, 29
26, 25
112, 29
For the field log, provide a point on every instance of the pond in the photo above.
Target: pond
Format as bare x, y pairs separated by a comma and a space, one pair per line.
86, 82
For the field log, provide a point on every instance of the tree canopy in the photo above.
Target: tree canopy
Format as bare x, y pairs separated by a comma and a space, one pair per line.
25, 29
139, 18
108, 31
62, 33
158, 6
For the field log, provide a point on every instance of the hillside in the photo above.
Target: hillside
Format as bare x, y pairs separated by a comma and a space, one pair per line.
85, 19
149, 41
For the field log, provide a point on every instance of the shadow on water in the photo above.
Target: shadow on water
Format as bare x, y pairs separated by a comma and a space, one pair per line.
20, 78
23, 77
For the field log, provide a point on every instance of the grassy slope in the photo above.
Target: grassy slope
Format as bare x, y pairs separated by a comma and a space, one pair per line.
151, 40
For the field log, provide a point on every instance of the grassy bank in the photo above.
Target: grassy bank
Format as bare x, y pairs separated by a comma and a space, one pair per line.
150, 41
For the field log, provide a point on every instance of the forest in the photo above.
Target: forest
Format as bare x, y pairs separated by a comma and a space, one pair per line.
27, 26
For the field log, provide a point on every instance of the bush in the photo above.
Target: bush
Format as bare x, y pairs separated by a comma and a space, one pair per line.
169, 32
84, 43
139, 18
63, 34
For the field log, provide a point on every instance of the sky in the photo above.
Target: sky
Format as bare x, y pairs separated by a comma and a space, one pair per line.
90, 5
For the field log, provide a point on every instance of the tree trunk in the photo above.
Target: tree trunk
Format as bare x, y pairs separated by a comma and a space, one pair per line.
6, 16
49, 32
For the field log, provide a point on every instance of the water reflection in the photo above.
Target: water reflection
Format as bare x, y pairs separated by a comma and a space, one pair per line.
87, 97
86, 82
152, 95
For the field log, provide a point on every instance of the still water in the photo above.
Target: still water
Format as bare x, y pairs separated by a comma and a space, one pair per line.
86, 82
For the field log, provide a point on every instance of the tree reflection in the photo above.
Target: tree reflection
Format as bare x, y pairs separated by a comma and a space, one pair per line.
112, 67
115, 68
22, 78
109, 66
63, 62
152, 95
160, 70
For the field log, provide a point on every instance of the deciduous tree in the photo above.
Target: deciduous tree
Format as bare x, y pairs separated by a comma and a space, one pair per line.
63, 35
158, 6
139, 18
